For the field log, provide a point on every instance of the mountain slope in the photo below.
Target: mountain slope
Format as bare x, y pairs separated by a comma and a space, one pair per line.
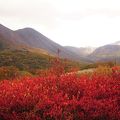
33, 41
28, 61
116, 43
107, 52
9, 39
82, 51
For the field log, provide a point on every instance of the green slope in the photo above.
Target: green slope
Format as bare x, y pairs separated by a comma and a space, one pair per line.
28, 61
23, 60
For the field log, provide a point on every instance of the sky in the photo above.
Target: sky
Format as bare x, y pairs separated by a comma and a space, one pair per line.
78, 23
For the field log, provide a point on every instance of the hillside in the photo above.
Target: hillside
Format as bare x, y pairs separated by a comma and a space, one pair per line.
33, 41
24, 60
28, 39
10, 40
81, 51
106, 53
28, 61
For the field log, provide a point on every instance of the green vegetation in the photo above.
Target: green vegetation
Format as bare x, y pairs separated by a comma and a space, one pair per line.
9, 72
27, 63
23, 60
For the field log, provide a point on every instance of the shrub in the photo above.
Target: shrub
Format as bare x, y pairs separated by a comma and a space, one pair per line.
95, 97
9, 72
103, 70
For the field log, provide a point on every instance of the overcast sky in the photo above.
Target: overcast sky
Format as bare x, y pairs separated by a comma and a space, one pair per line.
67, 22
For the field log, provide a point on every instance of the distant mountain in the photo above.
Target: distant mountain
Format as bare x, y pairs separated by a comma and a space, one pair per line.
8, 38
35, 39
31, 40
116, 43
28, 39
82, 51
106, 53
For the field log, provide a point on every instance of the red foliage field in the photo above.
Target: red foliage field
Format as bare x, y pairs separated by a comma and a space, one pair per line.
65, 97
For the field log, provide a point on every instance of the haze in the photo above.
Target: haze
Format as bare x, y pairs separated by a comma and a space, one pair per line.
77, 23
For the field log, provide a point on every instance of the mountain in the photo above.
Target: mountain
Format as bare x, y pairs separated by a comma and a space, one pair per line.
28, 39
35, 39
82, 51
9, 39
108, 52
116, 43
31, 40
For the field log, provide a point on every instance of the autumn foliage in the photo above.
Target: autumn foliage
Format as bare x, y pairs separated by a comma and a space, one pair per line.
9, 72
62, 96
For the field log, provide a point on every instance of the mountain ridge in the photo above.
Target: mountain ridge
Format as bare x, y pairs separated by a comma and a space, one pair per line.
31, 39
82, 51
109, 52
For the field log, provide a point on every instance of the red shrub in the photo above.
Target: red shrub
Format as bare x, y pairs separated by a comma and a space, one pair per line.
65, 97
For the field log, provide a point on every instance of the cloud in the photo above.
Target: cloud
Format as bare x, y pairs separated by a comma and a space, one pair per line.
76, 22
42, 13
46, 12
